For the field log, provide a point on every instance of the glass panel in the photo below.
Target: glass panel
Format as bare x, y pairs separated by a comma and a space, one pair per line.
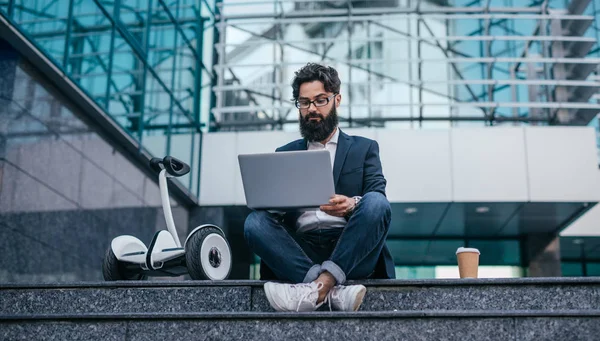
407, 252
155, 118
483, 272
89, 50
442, 251
45, 22
126, 86
497, 252
133, 14
184, 82
207, 8
205, 95
181, 147
161, 44
415, 272
570, 269
155, 142
593, 269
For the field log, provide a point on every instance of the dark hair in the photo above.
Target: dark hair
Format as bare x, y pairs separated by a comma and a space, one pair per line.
316, 72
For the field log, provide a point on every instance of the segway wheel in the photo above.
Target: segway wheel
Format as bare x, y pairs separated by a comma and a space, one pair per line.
113, 270
208, 255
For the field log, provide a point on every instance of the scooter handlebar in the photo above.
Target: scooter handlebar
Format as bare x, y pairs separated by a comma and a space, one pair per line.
174, 166
156, 164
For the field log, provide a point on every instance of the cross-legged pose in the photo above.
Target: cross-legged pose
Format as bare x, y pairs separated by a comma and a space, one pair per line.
317, 251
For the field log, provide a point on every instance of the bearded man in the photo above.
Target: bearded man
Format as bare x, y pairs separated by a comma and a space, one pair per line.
317, 251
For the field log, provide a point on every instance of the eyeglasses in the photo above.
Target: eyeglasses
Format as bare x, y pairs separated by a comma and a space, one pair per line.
319, 102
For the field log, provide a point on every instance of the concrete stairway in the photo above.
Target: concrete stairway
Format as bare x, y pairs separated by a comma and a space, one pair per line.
482, 309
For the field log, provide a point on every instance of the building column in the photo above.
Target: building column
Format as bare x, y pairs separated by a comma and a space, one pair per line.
543, 255
9, 59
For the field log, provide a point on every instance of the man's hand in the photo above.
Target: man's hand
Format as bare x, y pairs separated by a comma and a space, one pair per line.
339, 205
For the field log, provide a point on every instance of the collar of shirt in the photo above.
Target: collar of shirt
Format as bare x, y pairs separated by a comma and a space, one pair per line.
333, 140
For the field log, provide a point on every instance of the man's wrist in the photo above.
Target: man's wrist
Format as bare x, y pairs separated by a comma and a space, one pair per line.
351, 210
356, 201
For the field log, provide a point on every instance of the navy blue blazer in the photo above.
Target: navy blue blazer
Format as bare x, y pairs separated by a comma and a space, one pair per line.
356, 171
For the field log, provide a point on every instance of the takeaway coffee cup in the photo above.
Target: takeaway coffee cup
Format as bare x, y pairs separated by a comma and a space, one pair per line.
468, 262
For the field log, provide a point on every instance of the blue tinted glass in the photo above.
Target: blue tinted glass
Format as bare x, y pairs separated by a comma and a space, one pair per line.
571, 269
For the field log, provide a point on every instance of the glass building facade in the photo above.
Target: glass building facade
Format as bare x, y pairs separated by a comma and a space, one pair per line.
66, 189
166, 72
411, 64
141, 61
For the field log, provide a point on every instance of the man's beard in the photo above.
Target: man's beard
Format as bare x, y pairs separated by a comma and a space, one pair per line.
317, 131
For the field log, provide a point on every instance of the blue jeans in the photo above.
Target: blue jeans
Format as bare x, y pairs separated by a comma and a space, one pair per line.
347, 253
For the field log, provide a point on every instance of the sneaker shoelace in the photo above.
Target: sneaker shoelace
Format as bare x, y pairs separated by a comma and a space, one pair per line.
296, 289
331, 296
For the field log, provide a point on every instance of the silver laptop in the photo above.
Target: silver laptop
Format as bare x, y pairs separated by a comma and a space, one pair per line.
287, 180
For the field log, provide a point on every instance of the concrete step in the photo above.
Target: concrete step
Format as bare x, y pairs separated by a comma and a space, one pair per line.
407, 325
523, 294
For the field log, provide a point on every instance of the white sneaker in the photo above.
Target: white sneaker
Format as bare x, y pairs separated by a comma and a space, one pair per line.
293, 297
347, 298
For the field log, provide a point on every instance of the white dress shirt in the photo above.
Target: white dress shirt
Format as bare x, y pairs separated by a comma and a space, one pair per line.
317, 219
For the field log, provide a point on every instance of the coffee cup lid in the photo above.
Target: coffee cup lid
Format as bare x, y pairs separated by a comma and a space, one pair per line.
467, 249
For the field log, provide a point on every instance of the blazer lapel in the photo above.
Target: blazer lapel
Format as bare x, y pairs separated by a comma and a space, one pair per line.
301, 145
343, 146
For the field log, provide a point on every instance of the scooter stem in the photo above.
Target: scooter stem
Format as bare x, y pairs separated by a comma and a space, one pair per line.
166, 204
